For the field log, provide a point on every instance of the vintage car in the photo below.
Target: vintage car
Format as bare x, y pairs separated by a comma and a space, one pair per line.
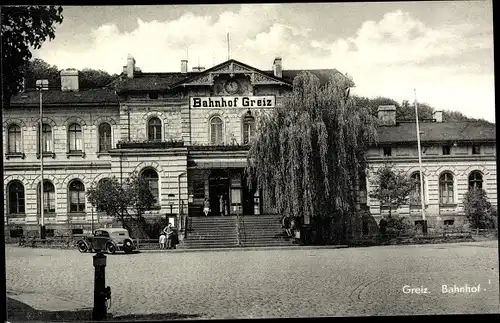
108, 239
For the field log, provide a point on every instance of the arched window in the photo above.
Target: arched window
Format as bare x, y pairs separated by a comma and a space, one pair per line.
216, 131
248, 129
76, 197
14, 139
151, 176
104, 137
46, 138
154, 129
16, 197
75, 138
446, 189
415, 193
49, 197
475, 180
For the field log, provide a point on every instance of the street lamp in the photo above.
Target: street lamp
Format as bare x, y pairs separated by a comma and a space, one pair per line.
41, 85
171, 203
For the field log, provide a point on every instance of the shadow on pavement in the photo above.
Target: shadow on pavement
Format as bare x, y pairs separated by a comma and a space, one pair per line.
18, 311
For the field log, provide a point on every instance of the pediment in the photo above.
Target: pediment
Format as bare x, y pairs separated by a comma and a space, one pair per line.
232, 68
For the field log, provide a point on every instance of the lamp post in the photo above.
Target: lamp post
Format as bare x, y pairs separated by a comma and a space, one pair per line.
171, 203
41, 85
424, 221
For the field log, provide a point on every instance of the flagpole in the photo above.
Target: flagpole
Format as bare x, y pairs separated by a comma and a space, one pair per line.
228, 47
422, 202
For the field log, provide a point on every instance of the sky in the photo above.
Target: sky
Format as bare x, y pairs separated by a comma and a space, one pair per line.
441, 50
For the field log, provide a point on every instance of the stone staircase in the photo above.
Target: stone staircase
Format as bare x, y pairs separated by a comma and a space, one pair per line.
222, 232
211, 232
262, 231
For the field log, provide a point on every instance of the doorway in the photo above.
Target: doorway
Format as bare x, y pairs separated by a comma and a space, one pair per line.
248, 197
218, 183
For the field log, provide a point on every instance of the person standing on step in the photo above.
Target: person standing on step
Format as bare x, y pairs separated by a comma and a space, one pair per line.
168, 233
222, 205
206, 206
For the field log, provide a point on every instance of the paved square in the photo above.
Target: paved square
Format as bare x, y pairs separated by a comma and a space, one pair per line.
267, 283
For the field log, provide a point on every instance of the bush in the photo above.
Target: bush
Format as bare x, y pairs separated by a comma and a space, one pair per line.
395, 226
479, 211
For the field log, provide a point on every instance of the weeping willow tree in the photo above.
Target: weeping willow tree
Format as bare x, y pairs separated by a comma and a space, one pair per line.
308, 154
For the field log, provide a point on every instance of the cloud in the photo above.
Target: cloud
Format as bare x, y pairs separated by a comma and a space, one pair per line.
450, 65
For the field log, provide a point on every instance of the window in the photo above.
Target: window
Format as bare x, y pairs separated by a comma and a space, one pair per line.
475, 180
216, 131
449, 222
76, 231
415, 193
16, 197
446, 188
198, 189
46, 138
16, 233
152, 177
153, 95
387, 151
476, 150
154, 129
104, 137
76, 197
248, 129
14, 139
446, 150
49, 197
75, 138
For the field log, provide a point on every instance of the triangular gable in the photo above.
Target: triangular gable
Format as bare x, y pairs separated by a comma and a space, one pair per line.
232, 67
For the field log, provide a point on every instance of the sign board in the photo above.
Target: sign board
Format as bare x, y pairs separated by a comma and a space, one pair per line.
266, 101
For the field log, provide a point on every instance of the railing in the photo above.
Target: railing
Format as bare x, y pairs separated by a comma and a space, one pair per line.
149, 144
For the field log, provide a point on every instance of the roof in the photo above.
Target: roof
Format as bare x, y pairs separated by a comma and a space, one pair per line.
323, 74
113, 230
56, 97
437, 132
165, 81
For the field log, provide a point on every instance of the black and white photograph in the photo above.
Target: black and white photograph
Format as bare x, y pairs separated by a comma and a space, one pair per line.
248, 161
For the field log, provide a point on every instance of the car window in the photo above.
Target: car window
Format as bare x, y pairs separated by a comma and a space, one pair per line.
97, 233
105, 234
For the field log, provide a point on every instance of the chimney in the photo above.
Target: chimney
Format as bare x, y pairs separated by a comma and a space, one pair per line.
438, 116
387, 115
184, 66
277, 67
130, 66
69, 80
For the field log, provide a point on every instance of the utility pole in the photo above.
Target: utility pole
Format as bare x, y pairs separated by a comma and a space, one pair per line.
41, 85
422, 202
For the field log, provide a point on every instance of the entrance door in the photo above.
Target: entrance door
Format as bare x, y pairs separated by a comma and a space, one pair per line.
218, 183
248, 197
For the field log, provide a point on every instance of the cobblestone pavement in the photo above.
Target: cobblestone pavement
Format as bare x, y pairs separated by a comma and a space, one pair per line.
268, 283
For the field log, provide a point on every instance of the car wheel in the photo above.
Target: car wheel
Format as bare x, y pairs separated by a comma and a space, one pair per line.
110, 248
82, 246
128, 247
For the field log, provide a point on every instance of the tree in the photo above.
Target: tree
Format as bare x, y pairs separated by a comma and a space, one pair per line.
309, 152
23, 28
37, 69
93, 79
126, 203
479, 210
392, 188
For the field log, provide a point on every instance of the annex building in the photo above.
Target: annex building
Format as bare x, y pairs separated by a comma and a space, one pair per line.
188, 134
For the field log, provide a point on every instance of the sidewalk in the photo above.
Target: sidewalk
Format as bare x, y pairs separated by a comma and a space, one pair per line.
227, 249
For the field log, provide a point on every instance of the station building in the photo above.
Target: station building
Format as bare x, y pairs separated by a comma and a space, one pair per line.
188, 134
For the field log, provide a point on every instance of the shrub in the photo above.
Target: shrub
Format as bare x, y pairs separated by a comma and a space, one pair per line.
478, 210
